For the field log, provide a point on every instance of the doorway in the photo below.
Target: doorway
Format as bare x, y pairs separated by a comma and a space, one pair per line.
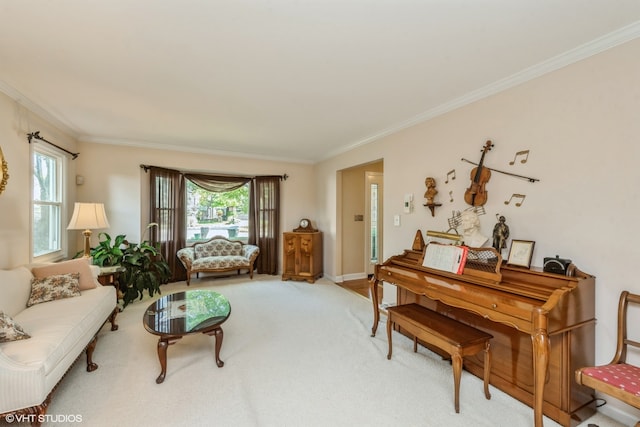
359, 225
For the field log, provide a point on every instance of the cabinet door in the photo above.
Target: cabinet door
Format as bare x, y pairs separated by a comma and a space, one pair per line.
290, 253
305, 266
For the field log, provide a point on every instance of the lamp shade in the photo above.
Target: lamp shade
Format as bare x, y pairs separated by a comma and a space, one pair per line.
88, 216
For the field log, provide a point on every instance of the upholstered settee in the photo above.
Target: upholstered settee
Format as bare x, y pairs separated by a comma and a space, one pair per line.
218, 254
49, 315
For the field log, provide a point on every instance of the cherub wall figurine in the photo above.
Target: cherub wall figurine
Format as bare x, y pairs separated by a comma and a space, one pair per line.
431, 192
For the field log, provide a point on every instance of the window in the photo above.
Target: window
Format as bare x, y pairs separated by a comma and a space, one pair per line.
373, 232
217, 214
47, 201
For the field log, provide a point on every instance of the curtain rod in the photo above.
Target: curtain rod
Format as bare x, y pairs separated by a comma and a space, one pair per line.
282, 177
36, 135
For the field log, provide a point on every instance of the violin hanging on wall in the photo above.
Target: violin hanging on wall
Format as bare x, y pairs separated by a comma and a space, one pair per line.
476, 194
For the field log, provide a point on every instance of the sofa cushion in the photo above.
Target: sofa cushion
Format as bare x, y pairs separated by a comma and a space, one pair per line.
80, 265
217, 247
59, 326
10, 330
54, 287
15, 287
220, 262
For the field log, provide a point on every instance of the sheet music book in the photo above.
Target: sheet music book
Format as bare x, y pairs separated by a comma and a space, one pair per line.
445, 257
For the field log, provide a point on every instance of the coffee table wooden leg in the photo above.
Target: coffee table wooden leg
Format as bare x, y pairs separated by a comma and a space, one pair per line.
163, 343
218, 334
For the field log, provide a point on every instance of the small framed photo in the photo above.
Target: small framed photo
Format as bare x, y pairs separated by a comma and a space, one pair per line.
521, 253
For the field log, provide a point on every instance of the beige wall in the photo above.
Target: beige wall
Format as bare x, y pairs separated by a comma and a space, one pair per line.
581, 124
15, 202
113, 175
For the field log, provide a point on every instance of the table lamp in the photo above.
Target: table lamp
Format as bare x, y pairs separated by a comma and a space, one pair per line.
87, 217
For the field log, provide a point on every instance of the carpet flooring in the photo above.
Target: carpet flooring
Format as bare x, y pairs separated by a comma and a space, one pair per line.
296, 354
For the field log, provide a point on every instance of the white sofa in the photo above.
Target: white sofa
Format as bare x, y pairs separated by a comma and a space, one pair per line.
59, 330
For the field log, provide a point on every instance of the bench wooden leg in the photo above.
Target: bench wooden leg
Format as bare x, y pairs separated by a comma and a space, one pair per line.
487, 369
389, 330
457, 374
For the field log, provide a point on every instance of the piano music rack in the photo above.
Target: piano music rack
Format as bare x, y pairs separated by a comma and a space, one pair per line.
483, 264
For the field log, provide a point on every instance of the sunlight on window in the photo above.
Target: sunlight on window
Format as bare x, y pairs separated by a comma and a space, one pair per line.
46, 202
373, 256
212, 214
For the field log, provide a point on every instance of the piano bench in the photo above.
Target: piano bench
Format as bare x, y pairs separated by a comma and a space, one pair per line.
455, 338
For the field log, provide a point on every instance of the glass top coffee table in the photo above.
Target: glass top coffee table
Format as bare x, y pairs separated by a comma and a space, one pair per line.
183, 313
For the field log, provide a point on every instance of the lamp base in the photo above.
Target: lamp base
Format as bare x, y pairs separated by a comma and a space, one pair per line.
87, 244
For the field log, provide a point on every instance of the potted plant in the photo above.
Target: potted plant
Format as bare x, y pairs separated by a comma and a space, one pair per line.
108, 254
144, 267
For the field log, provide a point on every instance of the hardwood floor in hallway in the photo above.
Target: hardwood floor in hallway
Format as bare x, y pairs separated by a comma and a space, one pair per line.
361, 287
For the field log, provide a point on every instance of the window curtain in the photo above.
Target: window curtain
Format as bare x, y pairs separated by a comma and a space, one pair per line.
217, 184
167, 209
264, 221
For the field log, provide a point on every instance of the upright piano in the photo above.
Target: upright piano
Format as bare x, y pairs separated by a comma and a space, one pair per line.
543, 326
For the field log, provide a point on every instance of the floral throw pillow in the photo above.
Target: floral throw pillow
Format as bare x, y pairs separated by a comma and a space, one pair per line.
10, 330
54, 287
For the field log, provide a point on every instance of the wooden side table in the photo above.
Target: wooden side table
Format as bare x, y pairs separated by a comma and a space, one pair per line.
109, 276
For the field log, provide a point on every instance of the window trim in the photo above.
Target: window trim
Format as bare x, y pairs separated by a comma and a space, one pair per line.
61, 172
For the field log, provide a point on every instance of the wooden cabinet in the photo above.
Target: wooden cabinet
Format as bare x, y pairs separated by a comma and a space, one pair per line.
302, 257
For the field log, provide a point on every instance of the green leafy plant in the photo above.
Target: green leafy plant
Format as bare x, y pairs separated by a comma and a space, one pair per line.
108, 253
145, 269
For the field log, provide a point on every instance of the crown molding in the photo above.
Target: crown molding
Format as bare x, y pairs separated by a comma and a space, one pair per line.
572, 56
188, 149
37, 109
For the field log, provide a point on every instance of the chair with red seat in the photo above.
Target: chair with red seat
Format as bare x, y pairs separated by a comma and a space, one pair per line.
618, 378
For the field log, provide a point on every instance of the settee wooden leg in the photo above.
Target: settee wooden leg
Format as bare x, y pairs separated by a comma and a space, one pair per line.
112, 319
91, 366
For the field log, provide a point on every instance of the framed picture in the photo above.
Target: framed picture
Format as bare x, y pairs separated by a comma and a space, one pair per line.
521, 252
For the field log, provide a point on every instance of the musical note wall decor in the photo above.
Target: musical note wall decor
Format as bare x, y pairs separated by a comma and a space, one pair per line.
516, 196
451, 172
456, 217
524, 153
451, 196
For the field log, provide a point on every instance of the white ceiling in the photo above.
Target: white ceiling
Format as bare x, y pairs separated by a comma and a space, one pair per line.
285, 79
